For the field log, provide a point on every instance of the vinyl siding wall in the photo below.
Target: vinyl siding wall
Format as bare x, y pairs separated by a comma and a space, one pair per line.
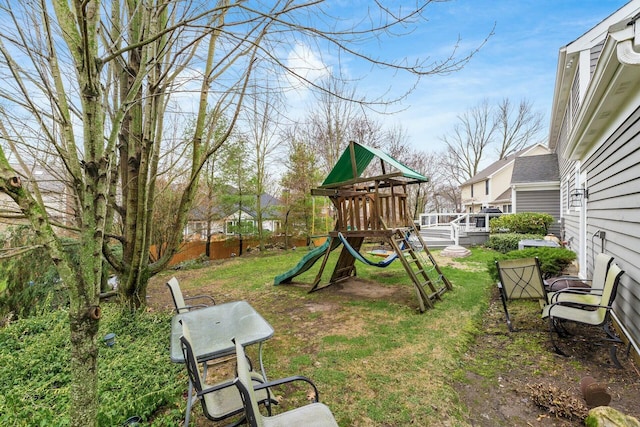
613, 177
570, 217
541, 201
595, 55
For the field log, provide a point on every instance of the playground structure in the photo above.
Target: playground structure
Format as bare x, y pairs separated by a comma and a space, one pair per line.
373, 206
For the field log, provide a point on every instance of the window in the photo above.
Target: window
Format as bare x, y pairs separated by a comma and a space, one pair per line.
471, 190
486, 187
506, 208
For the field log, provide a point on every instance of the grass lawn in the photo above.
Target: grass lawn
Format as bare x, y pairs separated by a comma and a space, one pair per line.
375, 359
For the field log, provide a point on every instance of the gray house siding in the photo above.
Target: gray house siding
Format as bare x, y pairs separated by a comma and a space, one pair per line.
613, 177
599, 150
595, 55
541, 201
570, 217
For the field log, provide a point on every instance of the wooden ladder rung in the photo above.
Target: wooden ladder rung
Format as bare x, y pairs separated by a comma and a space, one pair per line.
434, 296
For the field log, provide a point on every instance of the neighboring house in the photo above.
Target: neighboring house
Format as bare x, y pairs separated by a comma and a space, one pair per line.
535, 187
54, 192
227, 222
270, 216
595, 131
491, 187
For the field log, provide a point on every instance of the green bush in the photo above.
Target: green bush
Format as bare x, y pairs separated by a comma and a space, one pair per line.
522, 223
552, 260
32, 283
135, 376
507, 242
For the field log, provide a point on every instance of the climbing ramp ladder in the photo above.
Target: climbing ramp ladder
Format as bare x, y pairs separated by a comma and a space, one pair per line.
422, 268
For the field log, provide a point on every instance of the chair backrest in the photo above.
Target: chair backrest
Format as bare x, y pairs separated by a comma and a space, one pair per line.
521, 279
600, 269
176, 294
190, 358
245, 385
609, 291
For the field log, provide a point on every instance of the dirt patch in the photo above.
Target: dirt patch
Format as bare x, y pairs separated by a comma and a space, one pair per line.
540, 387
445, 261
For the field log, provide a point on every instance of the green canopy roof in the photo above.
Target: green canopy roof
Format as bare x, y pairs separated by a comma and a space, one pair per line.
342, 172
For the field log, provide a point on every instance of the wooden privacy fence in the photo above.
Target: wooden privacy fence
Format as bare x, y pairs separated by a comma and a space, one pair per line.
221, 249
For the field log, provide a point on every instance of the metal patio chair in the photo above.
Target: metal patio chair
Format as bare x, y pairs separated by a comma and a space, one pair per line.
581, 291
222, 400
315, 414
520, 279
598, 314
180, 301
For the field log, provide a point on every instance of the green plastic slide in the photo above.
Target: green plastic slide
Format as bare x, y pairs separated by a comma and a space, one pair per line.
307, 261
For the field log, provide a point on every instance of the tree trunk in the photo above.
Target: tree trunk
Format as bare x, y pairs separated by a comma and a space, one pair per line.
84, 364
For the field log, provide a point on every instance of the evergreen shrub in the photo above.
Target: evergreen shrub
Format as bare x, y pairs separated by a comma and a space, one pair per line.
507, 242
552, 260
521, 223
31, 283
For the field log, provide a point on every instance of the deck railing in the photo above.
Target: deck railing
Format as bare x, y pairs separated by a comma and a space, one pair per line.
459, 222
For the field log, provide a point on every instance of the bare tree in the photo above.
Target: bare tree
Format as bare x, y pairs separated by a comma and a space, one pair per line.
263, 116
483, 126
326, 127
515, 128
93, 86
446, 195
470, 137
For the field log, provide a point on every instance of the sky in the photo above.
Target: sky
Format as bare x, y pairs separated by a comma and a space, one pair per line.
517, 62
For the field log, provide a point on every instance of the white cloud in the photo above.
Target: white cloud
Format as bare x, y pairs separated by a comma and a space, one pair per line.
305, 66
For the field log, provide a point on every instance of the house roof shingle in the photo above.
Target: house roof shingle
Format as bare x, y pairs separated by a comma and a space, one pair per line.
504, 197
529, 169
495, 166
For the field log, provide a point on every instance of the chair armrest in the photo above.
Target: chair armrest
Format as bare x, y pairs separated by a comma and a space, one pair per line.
216, 387
569, 304
274, 383
230, 383
575, 291
566, 281
573, 278
191, 307
208, 297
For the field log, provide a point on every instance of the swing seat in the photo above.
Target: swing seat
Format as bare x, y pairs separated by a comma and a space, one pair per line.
357, 255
